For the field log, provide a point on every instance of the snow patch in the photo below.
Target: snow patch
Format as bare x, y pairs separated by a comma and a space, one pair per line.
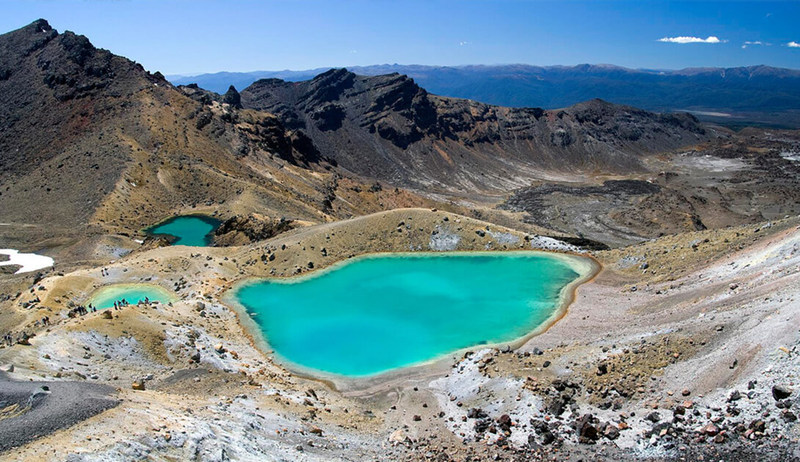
28, 261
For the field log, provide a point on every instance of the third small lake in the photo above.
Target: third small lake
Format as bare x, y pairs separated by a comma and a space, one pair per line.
191, 230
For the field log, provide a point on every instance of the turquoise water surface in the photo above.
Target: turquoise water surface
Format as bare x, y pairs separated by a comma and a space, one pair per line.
379, 313
105, 297
191, 230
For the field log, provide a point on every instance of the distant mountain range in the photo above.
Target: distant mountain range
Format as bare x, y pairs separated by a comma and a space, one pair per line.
739, 95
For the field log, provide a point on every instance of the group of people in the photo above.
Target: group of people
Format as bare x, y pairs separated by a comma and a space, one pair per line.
22, 338
82, 310
118, 304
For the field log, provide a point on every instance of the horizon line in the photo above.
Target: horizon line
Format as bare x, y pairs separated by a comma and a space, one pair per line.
643, 69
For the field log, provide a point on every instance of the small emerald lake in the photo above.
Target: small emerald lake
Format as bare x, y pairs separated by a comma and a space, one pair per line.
191, 230
105, 297
379, 313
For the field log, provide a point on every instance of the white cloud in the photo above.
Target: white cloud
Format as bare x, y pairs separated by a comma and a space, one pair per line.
461, 44
757, 42
709, 39
793, 45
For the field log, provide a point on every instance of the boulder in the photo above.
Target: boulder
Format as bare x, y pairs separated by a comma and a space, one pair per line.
710, 429
504, 422
780, 392
611, 432
654, 417
602, 369
587, 432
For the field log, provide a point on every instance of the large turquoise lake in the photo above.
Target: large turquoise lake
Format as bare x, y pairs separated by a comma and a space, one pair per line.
375, 314
191, 230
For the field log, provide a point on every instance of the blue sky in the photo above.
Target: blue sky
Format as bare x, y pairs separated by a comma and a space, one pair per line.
189, 37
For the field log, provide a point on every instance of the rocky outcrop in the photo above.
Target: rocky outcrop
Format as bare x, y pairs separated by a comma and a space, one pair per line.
232, 98
256, 130
240, 230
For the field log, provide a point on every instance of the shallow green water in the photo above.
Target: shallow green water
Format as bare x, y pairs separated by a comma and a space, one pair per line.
106, 296
191, 230
380, 313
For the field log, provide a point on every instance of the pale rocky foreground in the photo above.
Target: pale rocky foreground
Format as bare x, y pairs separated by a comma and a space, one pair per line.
679, 346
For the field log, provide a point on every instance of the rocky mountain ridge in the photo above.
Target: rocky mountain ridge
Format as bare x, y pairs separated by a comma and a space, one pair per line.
389, 128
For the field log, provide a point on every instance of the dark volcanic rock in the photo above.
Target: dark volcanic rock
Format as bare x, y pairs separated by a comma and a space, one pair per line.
329, 117
476, 413
780, 392
504, 422
611, 432
232, 97
585, 427
244, 229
